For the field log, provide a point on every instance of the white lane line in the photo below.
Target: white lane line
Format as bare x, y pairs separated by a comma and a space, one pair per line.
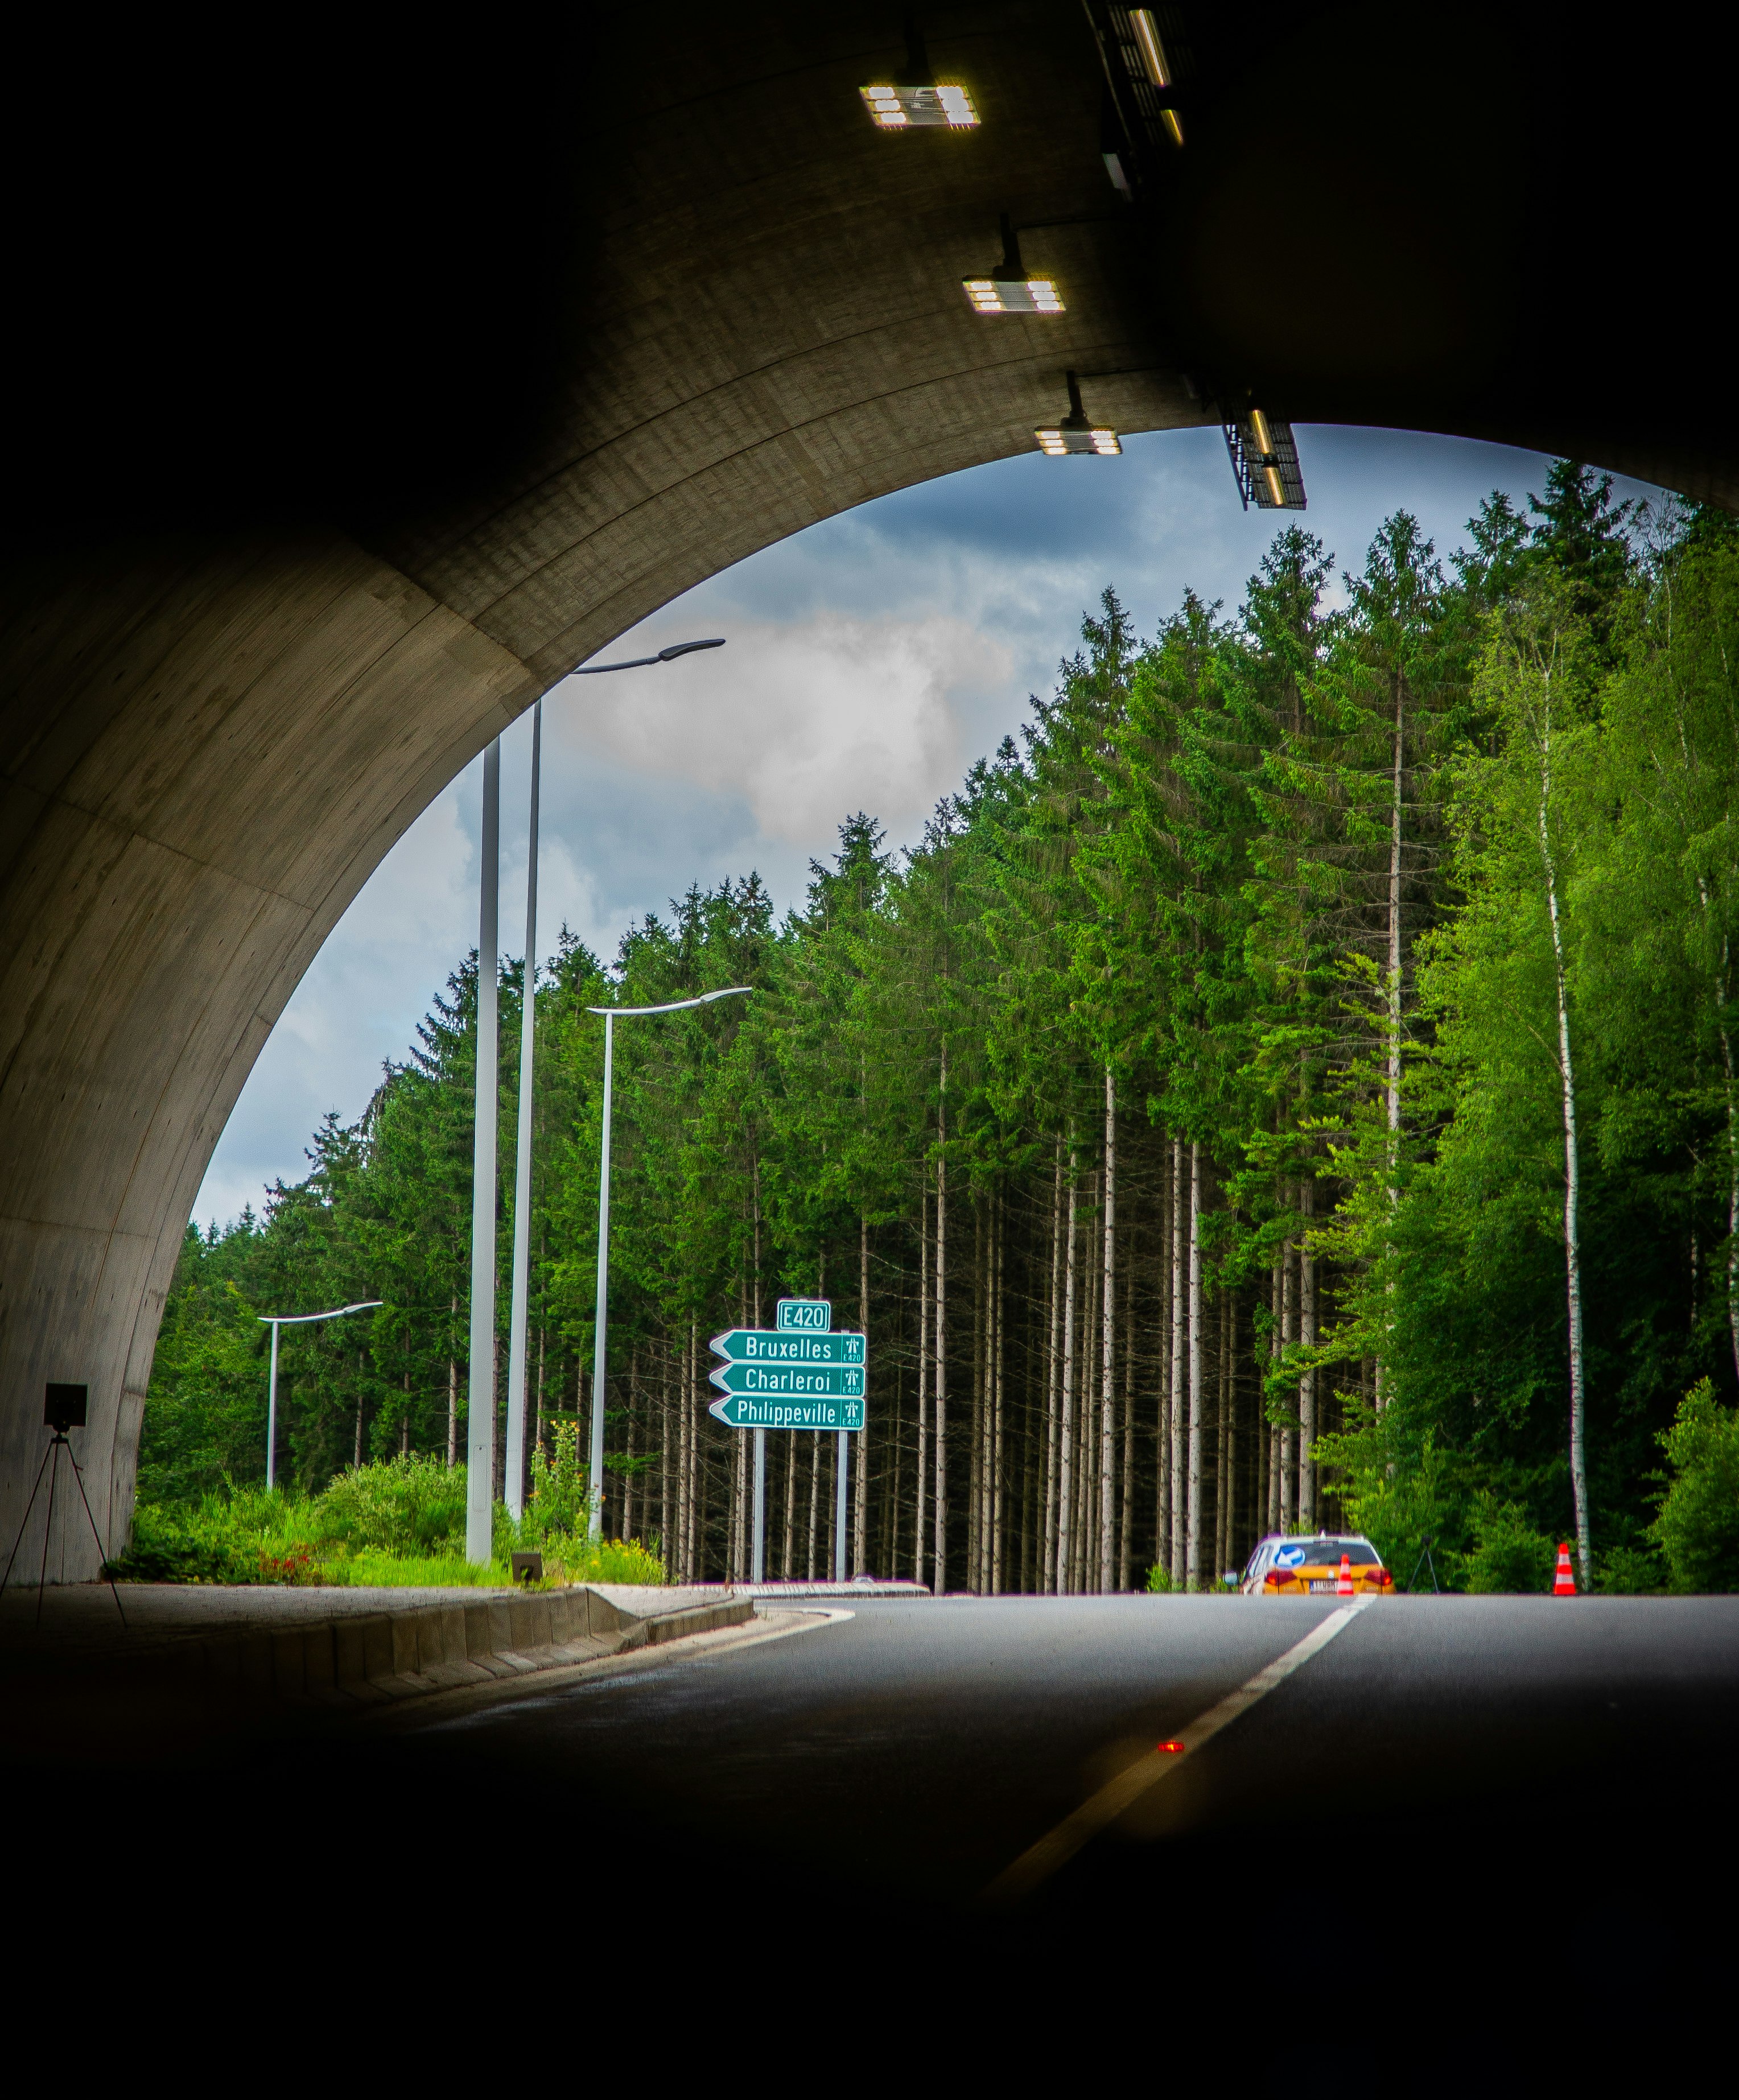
1039, 1862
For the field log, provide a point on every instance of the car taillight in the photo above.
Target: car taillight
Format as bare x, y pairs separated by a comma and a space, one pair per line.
1381, 1576
1276, 1578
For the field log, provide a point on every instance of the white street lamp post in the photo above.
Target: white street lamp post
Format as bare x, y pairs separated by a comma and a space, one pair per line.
479, 1443
514, 1487
276, 1321
595, 1476
514, 1483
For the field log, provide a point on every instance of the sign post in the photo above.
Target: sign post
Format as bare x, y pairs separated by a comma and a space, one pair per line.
796, 1374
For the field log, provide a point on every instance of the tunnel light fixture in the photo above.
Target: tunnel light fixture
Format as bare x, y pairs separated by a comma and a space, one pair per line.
1007, 289
1148, 44
1075, 433
1144, 55
1265, 460
903, 108
930, 101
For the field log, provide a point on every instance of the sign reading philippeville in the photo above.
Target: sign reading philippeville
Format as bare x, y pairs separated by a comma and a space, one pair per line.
797, 1375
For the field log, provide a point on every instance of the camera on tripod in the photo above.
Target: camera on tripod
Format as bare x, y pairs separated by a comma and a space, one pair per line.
64, 1407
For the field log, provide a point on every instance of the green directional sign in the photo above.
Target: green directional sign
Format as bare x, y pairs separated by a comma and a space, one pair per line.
763, 1345
797, 1375
799, 1381
747, 1410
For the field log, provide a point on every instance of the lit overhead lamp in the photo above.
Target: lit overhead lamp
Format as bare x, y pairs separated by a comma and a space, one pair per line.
899, 109
1007, 289
1153, 61
935, 102
1264, 458
1074, 434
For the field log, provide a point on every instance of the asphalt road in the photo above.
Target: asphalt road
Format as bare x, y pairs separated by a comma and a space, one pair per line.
1470, 1839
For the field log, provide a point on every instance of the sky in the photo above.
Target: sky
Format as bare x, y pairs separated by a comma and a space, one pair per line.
868, 661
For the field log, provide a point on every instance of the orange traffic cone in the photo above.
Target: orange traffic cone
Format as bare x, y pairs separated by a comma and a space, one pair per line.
1344, 1584
1563, 1582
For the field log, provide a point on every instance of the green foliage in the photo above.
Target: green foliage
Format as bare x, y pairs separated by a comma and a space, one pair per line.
1631, 1571
202, 1545
412, 1504
1509, 1556
206, 1413
555, 1502
1158, 1581
1697, 1528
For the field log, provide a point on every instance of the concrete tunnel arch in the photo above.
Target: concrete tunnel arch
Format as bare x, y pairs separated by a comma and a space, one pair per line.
257, 612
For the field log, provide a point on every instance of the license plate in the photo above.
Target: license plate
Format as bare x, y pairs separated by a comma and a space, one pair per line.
1330, 1585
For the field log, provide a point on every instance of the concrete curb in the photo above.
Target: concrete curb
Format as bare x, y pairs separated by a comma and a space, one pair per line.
373, 1659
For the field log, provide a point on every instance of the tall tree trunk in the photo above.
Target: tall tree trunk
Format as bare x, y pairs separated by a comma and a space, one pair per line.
860, 1508
1277, 1331
1053, 1378
1230, 1556
1180, 1307
1193, 1567
1222, 1439
1107, 1325
1723, 991
923, 1384
1126, 1527
1307, 1382
980, 1358
538, 1438
1572, 1175
453, 1392
1162, 1357
941, 1330
1289, 1432
998, 1486
1392, 1078
1066, 1463
664, 1455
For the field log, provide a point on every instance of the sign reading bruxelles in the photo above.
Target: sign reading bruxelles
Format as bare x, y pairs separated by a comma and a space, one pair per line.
797, 1375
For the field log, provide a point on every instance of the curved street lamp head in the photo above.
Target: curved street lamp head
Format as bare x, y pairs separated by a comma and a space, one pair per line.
300, 1319
638, 662
676, 1005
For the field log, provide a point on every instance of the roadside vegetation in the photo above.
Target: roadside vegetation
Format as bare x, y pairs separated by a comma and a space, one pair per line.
396, 1523
1293, 1085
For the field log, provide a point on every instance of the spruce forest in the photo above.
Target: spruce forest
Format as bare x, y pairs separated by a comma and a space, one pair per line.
1290, 1086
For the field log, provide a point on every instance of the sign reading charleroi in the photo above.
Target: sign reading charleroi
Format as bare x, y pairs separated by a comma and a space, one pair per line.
798, 1375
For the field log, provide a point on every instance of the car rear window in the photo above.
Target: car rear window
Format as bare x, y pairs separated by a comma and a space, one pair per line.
1326, 1552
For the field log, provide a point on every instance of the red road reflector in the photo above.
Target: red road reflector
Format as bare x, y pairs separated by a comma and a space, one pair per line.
1172, 1748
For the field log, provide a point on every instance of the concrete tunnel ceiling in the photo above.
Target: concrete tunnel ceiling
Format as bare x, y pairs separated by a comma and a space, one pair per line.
355, 408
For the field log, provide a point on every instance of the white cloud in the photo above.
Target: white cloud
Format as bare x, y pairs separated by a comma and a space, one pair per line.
806, 723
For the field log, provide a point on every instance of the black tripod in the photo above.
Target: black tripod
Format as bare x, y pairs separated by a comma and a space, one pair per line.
1424, 1561
65, 1410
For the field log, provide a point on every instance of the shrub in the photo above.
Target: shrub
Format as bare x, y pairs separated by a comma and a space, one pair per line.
201, 1545
413, 1504
555, 1504
1158, 1581
1509, 1555
1697, 1529
1630, 1571
573, 1558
